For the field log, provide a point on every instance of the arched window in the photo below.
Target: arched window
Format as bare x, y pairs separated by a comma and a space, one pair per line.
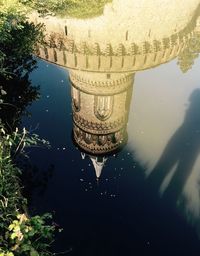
76, 99
103, 107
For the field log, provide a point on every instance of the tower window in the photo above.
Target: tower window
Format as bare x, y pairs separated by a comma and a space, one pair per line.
126, 35
108, 76
66, 32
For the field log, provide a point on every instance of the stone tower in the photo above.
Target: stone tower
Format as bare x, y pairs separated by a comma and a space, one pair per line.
100, 104
102, 55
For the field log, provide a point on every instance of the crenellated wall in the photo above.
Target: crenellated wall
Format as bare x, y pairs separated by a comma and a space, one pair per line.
103, 54
87, 46
113, 63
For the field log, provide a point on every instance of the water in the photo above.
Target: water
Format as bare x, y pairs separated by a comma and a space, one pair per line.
135, 208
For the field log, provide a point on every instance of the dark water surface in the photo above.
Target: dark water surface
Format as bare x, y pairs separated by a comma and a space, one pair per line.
147, 200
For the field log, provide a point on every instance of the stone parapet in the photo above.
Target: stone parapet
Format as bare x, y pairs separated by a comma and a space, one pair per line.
135, 44
110, 64
99, 144
101, 83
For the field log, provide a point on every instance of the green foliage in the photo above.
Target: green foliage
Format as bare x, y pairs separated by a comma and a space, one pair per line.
190, 53
27, 235
19, 233
73, 8
17, 40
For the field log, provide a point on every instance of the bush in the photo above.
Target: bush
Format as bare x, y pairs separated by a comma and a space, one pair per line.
19, 233
18, 39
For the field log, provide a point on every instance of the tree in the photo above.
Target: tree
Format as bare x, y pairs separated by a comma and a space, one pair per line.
18, 39
17, 43
190, 53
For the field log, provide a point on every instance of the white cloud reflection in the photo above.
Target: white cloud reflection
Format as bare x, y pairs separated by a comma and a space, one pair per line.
164, 132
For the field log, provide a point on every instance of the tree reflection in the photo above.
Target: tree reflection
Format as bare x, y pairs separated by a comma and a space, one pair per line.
190, 53
19, 95
180, 154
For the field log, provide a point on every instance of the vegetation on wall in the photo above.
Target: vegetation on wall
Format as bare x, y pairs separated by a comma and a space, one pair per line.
190, 53
73, 8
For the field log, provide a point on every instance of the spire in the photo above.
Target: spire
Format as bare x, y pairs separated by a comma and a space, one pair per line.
98, 164
82, 155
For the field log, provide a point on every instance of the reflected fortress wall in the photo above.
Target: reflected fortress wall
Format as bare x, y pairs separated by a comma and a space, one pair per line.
116, 42
103, 54
102, 58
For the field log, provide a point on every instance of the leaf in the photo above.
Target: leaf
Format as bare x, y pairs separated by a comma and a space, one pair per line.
34, 252
26, 247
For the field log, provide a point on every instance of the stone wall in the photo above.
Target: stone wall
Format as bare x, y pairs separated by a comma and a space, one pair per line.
78, 44
114, 63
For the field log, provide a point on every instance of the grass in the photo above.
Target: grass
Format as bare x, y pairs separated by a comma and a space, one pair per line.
69, 8
20, 234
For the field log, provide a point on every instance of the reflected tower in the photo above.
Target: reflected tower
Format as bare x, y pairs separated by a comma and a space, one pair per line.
100, 110
100, 105
102, 55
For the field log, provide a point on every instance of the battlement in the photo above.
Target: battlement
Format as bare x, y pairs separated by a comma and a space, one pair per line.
112, 63
103, 44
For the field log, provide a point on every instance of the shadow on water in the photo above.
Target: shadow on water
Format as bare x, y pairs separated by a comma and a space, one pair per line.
180, 154
20, 94
35, 180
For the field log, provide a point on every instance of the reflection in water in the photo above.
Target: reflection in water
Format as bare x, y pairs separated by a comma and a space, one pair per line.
100, 115
181, 152
19, 95
34, 180
165, 135
102, 65
99, 61
121, 40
